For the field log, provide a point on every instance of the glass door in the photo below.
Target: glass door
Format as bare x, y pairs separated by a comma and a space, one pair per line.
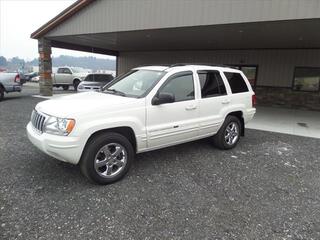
251, 74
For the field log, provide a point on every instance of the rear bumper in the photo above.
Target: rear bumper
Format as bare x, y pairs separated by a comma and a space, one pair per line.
249, 114
14, 88
17, 88
63, 148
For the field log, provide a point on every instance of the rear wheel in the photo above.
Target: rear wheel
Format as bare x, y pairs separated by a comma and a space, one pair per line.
107, 158
1, 93
229, 134
66, 87
76, 84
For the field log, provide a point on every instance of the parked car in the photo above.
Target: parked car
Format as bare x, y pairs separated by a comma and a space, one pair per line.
35, 79
9, 82
29, 76
94, 82
146, 109
68, 76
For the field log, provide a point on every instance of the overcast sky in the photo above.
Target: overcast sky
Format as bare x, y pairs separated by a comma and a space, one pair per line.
19, 18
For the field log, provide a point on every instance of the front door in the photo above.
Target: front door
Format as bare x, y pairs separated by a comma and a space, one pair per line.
176, 122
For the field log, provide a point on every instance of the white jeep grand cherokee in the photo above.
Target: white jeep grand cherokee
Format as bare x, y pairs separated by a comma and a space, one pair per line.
146, 109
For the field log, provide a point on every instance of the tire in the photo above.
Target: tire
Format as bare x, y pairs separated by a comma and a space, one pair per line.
65, 87
107, 158
1, 93
231, 126
76, 83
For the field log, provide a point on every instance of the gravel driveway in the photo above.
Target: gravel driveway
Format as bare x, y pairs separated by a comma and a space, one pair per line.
268, 187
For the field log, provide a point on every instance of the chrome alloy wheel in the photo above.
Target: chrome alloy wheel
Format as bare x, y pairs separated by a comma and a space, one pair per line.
110, 160
232, 133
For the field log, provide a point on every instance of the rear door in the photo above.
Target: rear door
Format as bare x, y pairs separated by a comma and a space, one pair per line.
176, 122
212, 102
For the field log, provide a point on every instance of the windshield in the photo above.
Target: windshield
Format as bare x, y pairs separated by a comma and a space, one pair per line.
98, 78
136, 83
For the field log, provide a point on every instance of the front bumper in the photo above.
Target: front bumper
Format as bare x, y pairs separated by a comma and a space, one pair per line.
87, 88
63, 148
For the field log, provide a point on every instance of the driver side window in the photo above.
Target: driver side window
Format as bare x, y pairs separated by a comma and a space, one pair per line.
67, 71
181, 86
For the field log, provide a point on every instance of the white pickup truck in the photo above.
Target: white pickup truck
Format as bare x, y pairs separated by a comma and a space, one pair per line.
146, 109
68, 76
9, 82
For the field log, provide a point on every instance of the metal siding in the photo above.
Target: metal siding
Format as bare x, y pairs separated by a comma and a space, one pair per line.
276, 67
128, 15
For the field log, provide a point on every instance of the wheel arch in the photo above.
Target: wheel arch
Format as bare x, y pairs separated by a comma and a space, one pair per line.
239, 115
76, 79
126, 131
1, 86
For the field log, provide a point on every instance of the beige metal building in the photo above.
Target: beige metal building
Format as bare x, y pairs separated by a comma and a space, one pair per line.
276, 43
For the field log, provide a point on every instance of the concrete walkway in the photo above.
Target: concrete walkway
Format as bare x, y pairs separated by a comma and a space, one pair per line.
289, 121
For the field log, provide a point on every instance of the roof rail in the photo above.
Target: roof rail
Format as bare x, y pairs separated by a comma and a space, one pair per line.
198, 64
147, 65
207, 64
185, 64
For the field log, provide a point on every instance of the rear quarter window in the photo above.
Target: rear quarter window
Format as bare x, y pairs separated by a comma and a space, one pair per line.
236, 82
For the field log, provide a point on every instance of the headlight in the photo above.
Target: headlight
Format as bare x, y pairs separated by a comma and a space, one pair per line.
80, 87
59, 126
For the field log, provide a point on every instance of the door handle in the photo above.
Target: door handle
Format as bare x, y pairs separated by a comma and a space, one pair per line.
226, 101
193, 107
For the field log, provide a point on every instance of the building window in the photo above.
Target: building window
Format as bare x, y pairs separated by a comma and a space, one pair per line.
306, 79
236, 82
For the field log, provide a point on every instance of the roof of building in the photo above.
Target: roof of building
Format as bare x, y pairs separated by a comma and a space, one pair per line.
64, 15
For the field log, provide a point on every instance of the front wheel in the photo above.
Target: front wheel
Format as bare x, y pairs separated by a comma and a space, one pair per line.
76, 84
107, 158
229, 134
65, 87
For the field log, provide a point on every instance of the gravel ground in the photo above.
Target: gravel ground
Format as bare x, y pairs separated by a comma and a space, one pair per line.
265, 188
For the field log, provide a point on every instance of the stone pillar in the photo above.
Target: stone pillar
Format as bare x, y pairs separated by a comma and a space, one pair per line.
45, 67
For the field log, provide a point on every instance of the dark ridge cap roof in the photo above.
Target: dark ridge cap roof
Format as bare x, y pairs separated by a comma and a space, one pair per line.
61, 17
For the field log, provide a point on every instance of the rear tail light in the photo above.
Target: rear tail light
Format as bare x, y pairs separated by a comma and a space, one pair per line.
17, 78
254, 100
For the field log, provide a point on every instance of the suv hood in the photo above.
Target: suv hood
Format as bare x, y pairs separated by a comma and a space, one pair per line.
85, 103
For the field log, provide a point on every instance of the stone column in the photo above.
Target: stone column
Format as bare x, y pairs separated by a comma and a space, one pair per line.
45, 67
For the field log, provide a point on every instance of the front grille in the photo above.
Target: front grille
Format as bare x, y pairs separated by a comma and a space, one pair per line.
38, 120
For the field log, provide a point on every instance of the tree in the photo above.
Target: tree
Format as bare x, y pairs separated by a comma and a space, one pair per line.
3, 61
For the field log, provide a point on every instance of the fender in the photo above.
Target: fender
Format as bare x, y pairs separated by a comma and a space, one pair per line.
97, 125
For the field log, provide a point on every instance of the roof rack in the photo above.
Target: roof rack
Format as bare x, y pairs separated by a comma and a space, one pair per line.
185, 64
147, 65
198, 64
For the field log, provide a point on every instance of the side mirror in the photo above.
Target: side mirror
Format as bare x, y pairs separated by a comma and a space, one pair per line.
162, 98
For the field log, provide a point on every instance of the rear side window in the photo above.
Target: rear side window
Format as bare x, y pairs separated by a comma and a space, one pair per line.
211, 84
236, 82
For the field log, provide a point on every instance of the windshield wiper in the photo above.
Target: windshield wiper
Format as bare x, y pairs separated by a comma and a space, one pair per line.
116, 92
